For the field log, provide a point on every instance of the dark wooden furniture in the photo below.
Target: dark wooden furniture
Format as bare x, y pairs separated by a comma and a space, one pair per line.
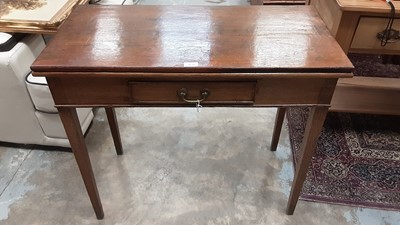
355, 25
123, 56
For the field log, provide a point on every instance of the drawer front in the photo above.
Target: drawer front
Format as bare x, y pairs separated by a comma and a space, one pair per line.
219, 93
365, 36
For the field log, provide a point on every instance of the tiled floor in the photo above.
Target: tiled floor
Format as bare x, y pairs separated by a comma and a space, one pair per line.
179, 167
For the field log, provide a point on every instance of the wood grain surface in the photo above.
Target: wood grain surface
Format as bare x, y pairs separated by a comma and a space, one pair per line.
378, 6
193, 38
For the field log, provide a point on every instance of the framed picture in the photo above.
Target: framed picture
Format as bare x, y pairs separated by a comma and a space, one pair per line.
35, 16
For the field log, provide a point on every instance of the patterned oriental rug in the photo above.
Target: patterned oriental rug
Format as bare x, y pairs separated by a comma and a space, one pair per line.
357, 161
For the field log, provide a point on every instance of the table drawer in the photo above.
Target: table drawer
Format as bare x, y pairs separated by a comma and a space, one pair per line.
167, 92
365, 36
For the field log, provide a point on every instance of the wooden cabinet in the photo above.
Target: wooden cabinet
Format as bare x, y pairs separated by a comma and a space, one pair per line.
355, 25
365, 36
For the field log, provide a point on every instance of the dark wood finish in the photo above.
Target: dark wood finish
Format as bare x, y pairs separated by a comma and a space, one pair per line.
166, 92
141, 55
257, 41
72, 127
283, 91
87, 91
280, 115
113, 122
313, 129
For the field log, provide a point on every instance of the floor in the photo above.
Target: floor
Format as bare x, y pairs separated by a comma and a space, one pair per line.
180, 167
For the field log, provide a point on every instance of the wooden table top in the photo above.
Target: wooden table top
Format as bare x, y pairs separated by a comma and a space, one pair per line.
193, 39
378, 6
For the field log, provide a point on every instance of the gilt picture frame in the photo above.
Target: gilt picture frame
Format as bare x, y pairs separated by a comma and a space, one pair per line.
35, 16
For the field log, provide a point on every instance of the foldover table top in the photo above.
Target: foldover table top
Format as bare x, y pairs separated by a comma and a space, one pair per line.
165, 56
168, 39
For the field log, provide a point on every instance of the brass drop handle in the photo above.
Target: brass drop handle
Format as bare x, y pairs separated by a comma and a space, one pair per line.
182, 93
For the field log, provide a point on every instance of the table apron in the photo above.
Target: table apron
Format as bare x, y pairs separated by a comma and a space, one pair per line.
275, 91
